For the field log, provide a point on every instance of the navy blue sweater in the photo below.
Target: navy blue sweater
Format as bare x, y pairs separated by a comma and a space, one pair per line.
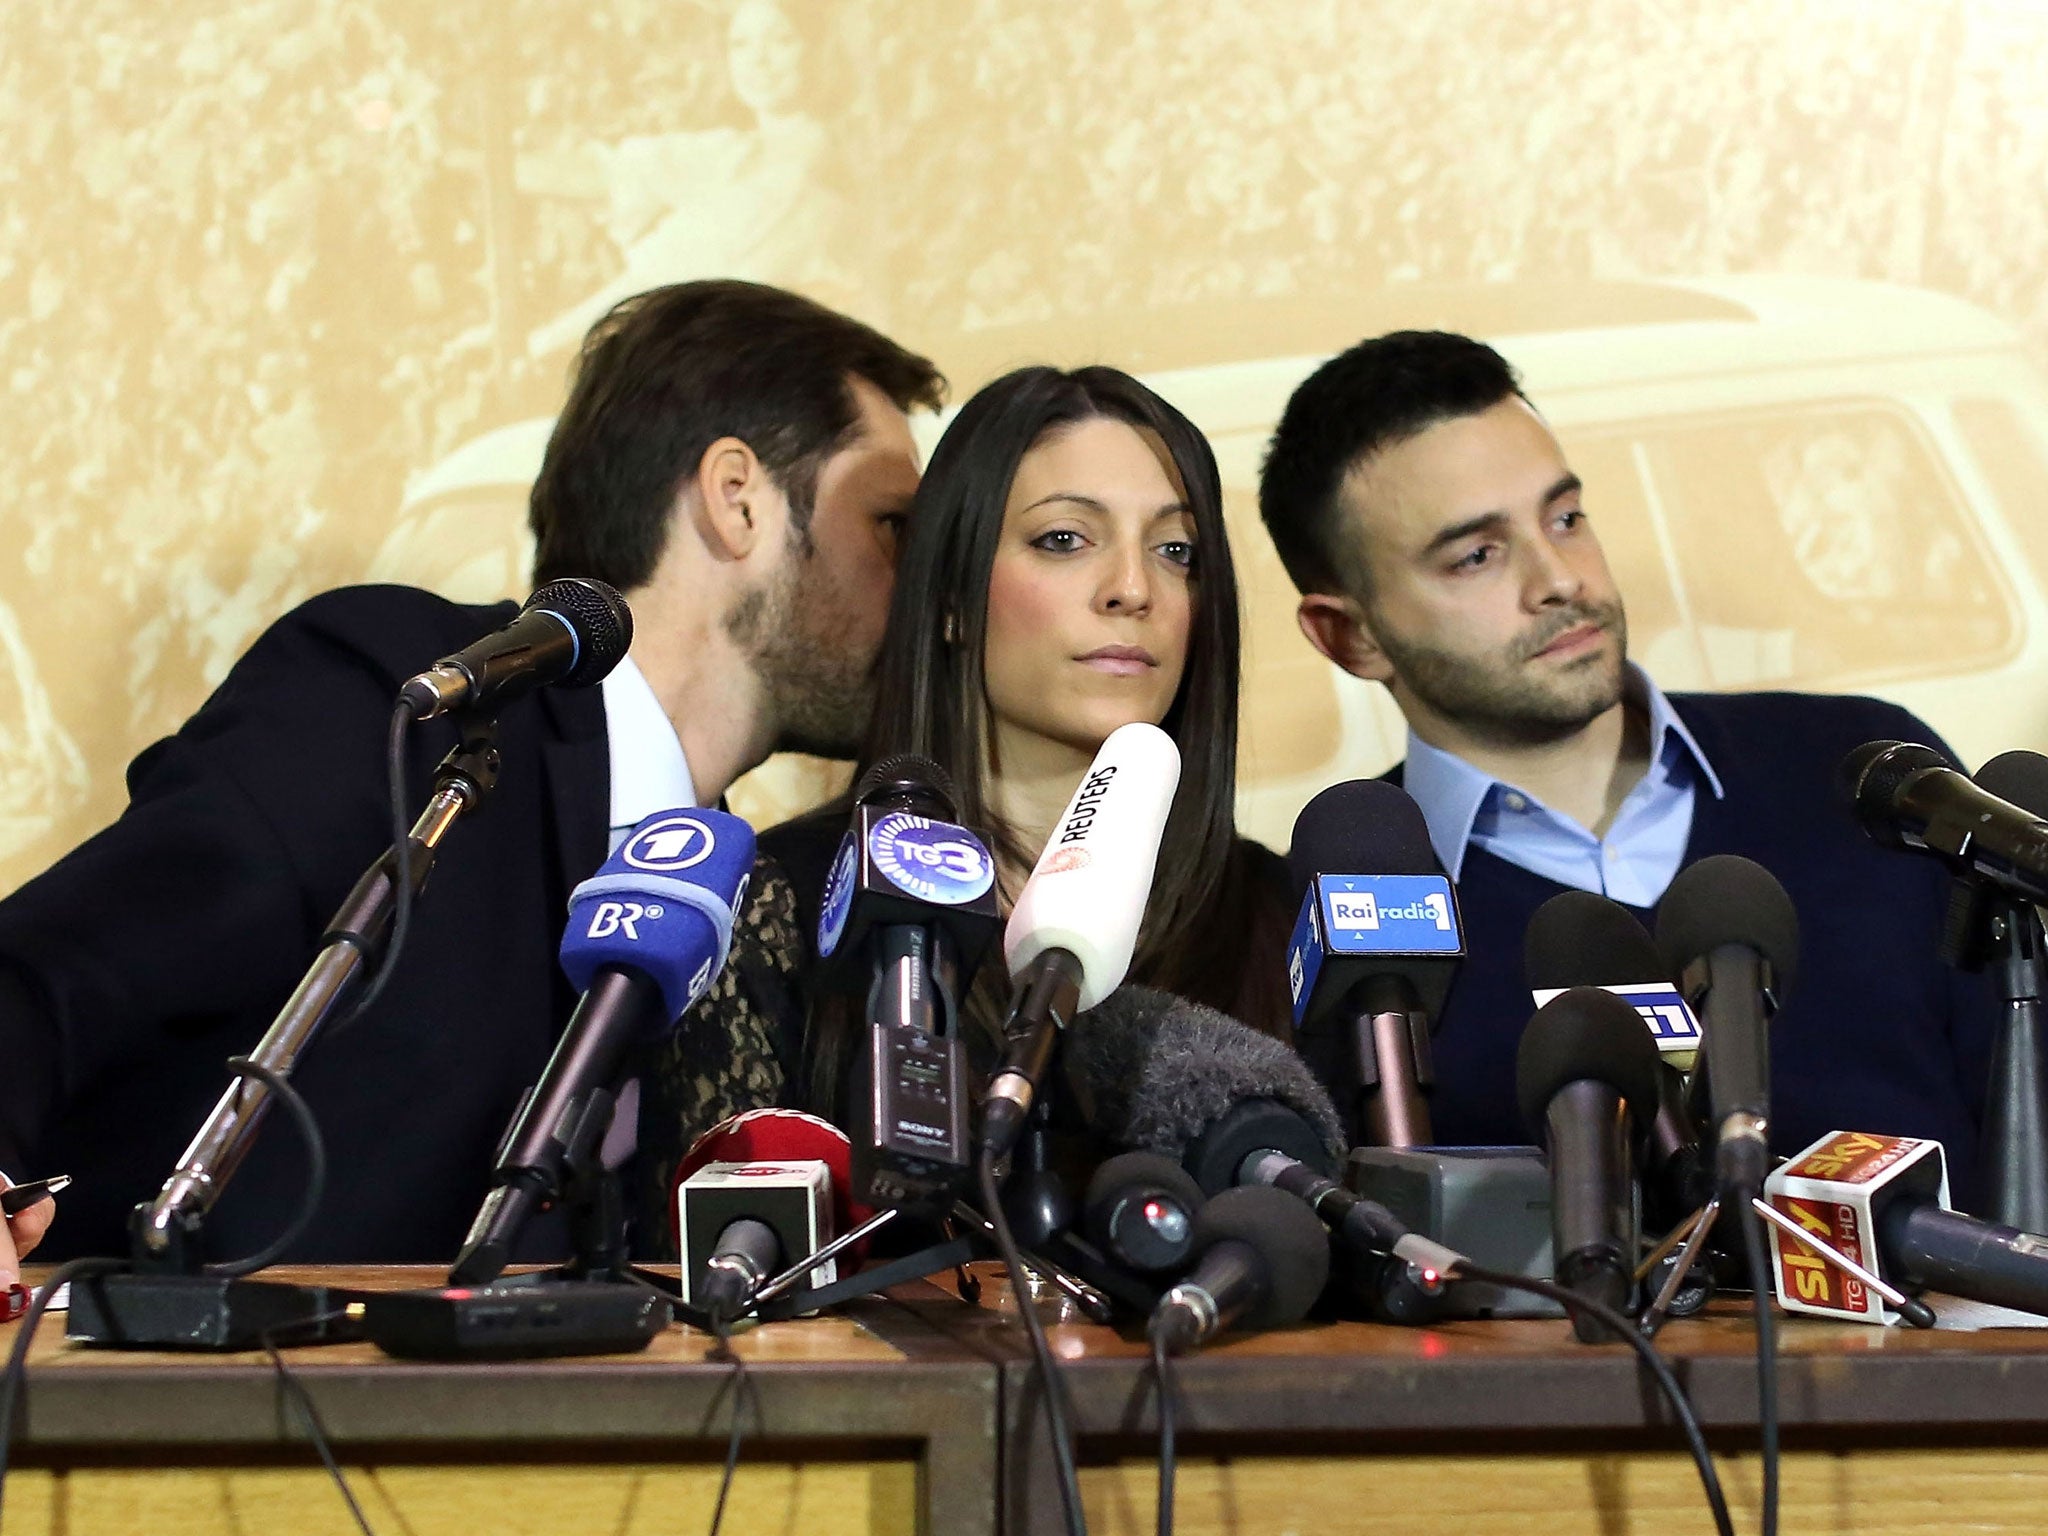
1878, 1034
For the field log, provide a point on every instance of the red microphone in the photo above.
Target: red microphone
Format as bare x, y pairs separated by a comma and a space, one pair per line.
753, 1195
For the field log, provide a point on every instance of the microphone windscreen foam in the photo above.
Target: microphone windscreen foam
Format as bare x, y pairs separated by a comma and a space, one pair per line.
1286, 1235
1582, 939
1579, 1035
1164, 1070
599, 618
1727, 899
2018, 778
1087, 894
1364, 827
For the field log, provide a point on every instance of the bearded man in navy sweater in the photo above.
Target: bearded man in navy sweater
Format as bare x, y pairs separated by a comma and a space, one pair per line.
1442, 547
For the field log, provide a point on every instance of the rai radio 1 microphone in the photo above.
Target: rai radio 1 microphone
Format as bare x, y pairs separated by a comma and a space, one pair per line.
1075, 926
1582, 939
1728, 931
1911, 796
1883, 1201
647, 935
1375, 949
571, 632
909, 909
755, 1194
1586, 1079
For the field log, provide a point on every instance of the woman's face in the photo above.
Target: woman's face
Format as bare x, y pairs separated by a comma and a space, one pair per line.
765, 57
1091, 592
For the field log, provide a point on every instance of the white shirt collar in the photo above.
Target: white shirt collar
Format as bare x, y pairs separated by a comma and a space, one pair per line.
649, 771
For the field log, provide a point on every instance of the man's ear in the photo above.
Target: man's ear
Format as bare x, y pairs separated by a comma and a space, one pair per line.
730, 485
1337, 627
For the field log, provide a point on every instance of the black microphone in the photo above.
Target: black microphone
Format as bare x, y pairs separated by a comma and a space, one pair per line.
1582, 939
1728, 931
1991, 932
1910, 796
1375, 949
1586, 1079
1924, 1245
647, 935
572, 632
1262, 1258
1139, 1210
908, 909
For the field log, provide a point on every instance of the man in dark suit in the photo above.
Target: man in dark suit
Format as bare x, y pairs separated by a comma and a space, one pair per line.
1442, 547
736, 460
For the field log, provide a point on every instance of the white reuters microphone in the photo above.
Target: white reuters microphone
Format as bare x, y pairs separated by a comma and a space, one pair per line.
1075, 925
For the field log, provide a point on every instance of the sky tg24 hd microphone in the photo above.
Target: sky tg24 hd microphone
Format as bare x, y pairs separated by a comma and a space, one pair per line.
647, 935
1375, 949
908, 910
1075, 926
572, 631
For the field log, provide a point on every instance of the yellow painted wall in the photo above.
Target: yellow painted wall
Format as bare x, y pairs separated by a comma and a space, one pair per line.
288, 289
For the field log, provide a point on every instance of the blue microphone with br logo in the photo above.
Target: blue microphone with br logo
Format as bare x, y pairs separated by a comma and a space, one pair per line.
647, 935
1374, 951
909, 908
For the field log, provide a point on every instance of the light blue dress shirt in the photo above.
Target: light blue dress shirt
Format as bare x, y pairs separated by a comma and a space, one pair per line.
1632, 864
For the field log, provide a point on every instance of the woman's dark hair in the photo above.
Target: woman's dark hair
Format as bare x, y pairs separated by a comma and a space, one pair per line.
1217, 924
930, 692
669, 372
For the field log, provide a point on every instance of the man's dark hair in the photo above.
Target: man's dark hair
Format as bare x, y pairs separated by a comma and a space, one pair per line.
1370, 397
669, 372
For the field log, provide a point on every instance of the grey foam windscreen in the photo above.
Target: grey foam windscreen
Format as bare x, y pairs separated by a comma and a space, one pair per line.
1163, 1070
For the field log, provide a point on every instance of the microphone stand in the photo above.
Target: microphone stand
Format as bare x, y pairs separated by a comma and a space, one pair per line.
168, 1299
1693, 1233
1990, 931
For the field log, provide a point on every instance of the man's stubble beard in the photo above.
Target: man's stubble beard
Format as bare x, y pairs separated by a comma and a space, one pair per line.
1499, 703
818, 696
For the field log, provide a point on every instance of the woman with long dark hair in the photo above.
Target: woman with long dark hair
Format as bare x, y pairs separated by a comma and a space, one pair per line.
1065, 571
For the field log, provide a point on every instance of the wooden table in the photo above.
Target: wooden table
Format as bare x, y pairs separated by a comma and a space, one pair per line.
915, 1412
1513, 1427
869, 1421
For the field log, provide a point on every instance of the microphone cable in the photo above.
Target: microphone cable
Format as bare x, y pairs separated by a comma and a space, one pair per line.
13, 1379
1695, 1438
742, 1386
1766, 1361
290, 1386
1048, 1369
1162, 1376
316, 1171
401, 858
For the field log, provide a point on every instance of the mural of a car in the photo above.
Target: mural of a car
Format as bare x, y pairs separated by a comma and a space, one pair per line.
1801, 483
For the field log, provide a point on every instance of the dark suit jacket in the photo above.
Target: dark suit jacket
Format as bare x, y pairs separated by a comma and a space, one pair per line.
137, 964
